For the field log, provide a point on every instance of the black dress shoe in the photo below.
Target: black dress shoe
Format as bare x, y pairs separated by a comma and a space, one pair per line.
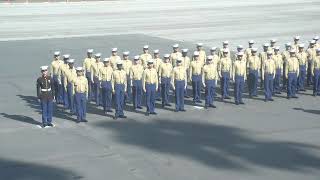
50, 124
241, 102
227, 97
122, 116
139, 107
78, 122
212, 106
115, 117
288, 97
168, 104
186, 96
237, 103
84, 120
176, 110
271, 99
147, 113
109, 110
183, 110
153, 113
265, 100
255, 95
158, 99
44, 125
314, 95
199, 101
294, 96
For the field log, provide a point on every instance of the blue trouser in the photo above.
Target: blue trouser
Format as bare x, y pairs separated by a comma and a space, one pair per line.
47, 109
64, 94
119, 99
150, 97
129, 93
106, 95
253, 82
276, 82
209, 91
70, 97
179, 94
284, 79
309, 74
81, 106
96, 90
316, 82
137, 93
291, 84
268, 86
302, 77
186, 89
238, 88
196, 87
225, 78
165, 88
159, 93
88, 76
57, 89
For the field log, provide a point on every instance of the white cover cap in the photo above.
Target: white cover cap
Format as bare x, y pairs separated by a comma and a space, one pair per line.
209, 57
273, 40
277, 48
312, 42
226, 50
301, 45
137, 57
292, 51
106, 59
240, 53
119, 62
196, 53
146, 47
199, 44
266, 45
166, 55
175, 45
269, 52
288, 44
213, 49
150, 61
44, 68
240, 47
70, 61
184, 50
114, 49
225, 42
251, 42
297, 37
79, 68
90, 51
126, 53
316, 38
57, 53
156, 51
97, 55
66, 56
254, 49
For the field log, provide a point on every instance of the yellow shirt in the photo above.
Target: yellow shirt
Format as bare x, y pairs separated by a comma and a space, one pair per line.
173, 58
144, 58
254, 63
70, 75
295, 47
277, 58
210, 72
225, 65
248, 53
157, 63
285, 56
292, 65
263, 57
195, 67
239, 69
95, 68
62, 69
55, 65
149, 76
268, 67
127, 66
202, 57
178, 74
119, 77
114, 60
87, 64
302, 58
105, 73
315, 64
136, 72
311, 52
186, 62
165, 70
80, 85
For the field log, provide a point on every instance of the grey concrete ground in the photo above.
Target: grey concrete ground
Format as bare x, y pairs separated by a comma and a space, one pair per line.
259, 140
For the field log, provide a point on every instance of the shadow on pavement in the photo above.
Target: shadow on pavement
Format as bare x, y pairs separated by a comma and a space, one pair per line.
216, 146
17, 170
21, 118
308, 110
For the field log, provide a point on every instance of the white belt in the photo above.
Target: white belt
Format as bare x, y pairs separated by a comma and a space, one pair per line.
46, 90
